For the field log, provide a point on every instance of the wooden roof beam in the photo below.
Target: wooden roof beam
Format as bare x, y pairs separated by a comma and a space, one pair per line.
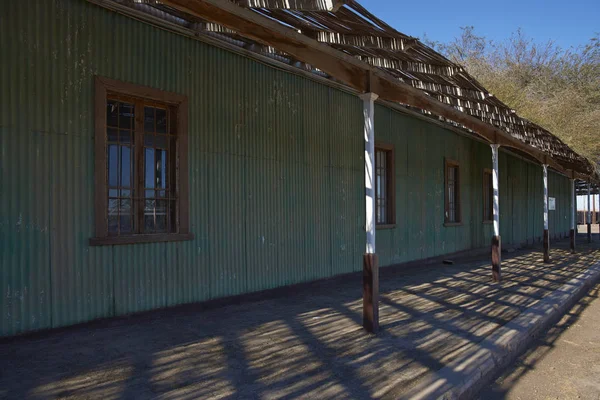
386, 89
343, 67
300, 5
257, 27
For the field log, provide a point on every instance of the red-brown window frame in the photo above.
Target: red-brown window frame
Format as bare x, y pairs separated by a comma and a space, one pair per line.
391, 184
105, 87
458, 209
486, 219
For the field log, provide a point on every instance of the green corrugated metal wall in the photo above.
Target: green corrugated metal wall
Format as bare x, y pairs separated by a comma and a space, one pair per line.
420, 150
276, 174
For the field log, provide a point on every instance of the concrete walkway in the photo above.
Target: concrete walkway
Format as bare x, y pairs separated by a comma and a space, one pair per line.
563, 364
307, 345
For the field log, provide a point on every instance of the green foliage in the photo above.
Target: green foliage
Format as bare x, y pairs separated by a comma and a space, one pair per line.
555, 88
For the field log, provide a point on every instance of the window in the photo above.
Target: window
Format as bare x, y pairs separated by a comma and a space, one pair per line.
452, 202
488, 196
385, 213
141, 187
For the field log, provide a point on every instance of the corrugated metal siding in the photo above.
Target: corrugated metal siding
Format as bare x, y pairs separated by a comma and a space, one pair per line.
420, 149
276, 174
24, 231
266, 146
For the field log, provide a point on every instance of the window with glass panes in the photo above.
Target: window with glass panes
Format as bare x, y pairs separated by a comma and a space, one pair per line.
452, 198
141, 167
140, 179
384, 185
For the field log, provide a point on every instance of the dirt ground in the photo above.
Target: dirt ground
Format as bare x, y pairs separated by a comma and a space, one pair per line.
563, 364
309, 344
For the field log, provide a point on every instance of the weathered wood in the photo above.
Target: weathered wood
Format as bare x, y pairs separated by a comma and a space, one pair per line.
593, 209
140, 238
183, 170
262, 29
366, 41
573, 212
369, 141
346, 68
100, 186
589, 213
390, 183
139, 182
301, 5
139, 96
496, 258
144, 92
370, 293
496, 240
546, 246
458, 210
546, 215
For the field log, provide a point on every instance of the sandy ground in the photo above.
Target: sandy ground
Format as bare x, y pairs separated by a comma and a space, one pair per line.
563, 364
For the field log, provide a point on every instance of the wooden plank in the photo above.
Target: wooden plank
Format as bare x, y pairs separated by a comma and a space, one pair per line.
496, 258
142, 238
367, 41
100, 187
183, 170
257, 27
139, 174
370, 293
304, 5
546, 246
144, 92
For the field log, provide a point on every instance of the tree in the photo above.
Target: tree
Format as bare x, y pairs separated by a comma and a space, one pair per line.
555, 88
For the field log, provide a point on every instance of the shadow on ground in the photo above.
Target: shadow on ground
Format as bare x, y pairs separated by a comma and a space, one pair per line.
310, 344
538, 351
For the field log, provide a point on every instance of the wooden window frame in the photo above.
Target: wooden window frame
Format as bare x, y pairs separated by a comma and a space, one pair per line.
486, 220
452, 163
104, 87
391, 185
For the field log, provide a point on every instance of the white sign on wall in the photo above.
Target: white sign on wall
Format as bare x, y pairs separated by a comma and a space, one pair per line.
551, 203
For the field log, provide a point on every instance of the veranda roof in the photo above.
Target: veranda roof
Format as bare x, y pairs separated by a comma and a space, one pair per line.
342, 41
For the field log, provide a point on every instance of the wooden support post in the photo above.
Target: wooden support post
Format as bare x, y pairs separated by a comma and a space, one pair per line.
597, 219
496, 241
370, 293
370, 267
546, 232
589, 214
594, 219
573, 212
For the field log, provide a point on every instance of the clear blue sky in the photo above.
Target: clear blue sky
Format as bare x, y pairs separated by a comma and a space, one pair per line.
568, 23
